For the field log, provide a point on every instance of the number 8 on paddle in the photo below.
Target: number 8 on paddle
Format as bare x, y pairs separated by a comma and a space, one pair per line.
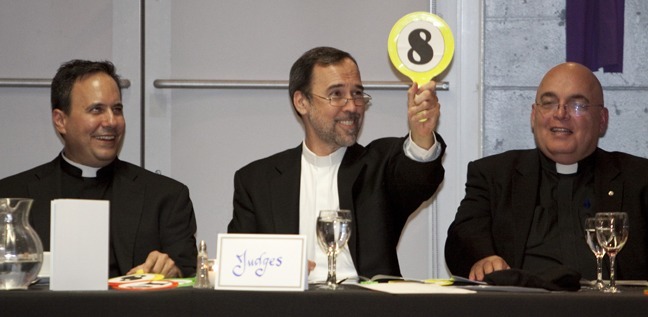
420, 46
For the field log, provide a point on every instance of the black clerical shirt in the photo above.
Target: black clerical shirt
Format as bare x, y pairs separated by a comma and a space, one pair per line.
557, 235
75, 186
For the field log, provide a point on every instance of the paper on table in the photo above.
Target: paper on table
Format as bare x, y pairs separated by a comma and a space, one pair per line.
618, 282
630, 282
415, 288
380, 278
502, 288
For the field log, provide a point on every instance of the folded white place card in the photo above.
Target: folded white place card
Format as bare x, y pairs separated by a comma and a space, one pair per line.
79, 241
262, 262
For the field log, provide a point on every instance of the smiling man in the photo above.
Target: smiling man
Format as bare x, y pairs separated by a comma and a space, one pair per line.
152, 222
382, 183
525, 209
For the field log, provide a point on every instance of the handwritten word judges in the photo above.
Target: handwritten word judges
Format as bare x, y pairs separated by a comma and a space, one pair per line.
259, 264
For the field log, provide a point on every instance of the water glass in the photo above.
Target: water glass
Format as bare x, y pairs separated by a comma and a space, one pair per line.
333, 231
612, 234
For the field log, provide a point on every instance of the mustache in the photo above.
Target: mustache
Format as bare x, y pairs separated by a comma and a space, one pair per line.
350, 116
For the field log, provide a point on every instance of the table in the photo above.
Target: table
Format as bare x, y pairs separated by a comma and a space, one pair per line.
353, 301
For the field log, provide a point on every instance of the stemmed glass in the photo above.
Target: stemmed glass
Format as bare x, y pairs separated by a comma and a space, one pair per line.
333, 231
599, 252
612, 234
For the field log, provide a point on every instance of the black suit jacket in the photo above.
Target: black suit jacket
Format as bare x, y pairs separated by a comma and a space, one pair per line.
147, 212
379, 184
496, 214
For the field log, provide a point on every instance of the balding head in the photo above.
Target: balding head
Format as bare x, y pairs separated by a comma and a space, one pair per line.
578, 78
563, 134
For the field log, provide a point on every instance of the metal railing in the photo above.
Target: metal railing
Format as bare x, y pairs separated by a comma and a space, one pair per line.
270, 84
40, 82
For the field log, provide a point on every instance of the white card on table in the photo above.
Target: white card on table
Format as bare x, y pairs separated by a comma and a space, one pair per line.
262, 262
79, 241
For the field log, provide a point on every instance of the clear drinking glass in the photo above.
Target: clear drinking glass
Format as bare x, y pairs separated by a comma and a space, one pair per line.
333, 231
599, 252
612, 234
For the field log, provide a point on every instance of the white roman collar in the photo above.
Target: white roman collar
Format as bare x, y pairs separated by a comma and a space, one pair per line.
323, 161
86, 171
567, 169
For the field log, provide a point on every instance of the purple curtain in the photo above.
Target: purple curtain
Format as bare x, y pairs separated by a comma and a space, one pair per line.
595, 34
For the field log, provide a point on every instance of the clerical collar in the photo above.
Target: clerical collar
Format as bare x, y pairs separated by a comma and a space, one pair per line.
86, 171
567, 169
584, 164
323, 161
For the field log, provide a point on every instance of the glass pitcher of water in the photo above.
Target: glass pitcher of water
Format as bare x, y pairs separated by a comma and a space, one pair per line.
21, 250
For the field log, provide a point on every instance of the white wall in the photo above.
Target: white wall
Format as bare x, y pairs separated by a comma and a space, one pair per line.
37, 37
201, 137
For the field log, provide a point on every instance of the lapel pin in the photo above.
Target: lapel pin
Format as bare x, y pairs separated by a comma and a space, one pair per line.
611, 193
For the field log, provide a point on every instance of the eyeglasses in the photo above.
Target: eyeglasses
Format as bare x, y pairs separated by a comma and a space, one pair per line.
575, 108
359, 100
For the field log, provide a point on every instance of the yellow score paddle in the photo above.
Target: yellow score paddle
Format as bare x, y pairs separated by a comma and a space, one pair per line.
420, 46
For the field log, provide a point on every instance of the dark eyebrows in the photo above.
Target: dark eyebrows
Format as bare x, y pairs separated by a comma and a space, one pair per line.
94, 105
100, 104
336, 86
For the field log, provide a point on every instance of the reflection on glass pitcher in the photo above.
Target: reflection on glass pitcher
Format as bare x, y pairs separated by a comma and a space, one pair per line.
21, 250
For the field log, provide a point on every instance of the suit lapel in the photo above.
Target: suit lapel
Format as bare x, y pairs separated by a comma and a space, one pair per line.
49, 182
524, 195
608, 188
126, 210
285, 203
284, 189
46, 188
347, 176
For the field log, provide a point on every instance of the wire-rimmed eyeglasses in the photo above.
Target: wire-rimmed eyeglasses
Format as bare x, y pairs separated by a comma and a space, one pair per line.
359, 100
575, 107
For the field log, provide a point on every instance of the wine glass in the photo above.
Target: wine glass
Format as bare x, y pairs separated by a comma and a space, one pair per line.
333, 231
599, 252
612, 234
